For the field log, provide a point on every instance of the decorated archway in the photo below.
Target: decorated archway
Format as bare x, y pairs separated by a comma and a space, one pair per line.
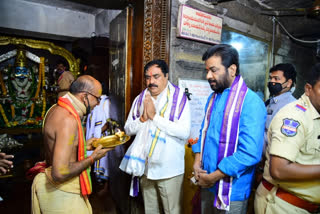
24, 82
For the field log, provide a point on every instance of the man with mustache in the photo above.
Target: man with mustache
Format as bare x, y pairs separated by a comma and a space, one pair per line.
160, 119
231, 135
291, 177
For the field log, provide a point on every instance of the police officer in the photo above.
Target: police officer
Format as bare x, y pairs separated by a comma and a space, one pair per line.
291, 179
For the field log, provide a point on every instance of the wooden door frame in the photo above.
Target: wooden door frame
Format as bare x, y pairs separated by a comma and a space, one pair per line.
156, 36
129, 65
150, 38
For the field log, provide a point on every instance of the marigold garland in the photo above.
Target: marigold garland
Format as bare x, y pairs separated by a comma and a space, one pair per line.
4, 116
41, 68
40, 86
31, 110
3, 87
43, 91
13, 111
40, 82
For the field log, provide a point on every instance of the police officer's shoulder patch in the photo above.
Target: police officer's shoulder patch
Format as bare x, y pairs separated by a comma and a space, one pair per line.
289, 127
301, 108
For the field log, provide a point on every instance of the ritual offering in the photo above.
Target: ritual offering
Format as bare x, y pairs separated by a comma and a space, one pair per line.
112, 140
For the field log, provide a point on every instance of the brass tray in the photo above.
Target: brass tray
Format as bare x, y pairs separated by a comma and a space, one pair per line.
112, 140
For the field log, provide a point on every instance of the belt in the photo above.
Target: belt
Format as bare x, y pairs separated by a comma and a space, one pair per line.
292, 199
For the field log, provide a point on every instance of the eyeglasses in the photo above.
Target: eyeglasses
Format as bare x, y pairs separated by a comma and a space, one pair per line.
98, 98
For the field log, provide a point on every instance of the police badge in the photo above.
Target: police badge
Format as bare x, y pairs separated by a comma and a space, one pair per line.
289, 127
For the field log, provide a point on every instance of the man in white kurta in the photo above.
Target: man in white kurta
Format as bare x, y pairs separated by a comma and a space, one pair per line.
160, 119
96, 120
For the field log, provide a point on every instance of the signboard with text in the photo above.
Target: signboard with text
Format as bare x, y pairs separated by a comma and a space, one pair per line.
200, 91
197, 25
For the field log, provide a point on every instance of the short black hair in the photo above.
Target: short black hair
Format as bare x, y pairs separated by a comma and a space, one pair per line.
80, 85
314, 75
63, 62
160, 64
229, 55
289, 72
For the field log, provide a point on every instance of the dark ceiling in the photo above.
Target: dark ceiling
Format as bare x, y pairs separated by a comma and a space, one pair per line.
288, 4
105, 4
301, 18
295, 15
89, 6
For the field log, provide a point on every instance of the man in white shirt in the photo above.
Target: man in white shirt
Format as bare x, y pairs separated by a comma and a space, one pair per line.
160, 119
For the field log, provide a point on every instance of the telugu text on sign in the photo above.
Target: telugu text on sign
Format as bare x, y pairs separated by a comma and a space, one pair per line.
197, 25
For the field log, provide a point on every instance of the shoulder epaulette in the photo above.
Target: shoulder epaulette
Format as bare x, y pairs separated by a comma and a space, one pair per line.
300, 107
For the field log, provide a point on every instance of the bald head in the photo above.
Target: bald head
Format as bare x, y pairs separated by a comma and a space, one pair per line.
86, 83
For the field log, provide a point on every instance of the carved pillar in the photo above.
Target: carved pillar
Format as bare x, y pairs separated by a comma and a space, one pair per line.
156, 35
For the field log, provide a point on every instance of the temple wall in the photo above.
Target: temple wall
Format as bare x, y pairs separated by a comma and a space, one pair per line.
33, 17
185, 55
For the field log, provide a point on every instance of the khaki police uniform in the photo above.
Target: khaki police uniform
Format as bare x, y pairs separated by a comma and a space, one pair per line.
294, 135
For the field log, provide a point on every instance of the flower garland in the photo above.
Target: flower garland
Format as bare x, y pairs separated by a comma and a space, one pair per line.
31, 110
3, 87
40, 86
13, 87
43, 91
13, 111
4, 116
41, 70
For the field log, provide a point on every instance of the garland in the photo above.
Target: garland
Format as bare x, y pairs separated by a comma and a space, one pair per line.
4, 116
13, 111
42, 68
3, 87
41, 75
16, 103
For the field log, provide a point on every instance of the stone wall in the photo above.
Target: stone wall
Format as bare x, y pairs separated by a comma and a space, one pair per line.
302, 56
185, 55
45, 19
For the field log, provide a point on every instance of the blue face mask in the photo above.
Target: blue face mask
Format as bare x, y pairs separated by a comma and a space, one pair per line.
21, 72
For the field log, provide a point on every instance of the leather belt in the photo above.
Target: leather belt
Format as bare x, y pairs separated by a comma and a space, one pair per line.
292, 199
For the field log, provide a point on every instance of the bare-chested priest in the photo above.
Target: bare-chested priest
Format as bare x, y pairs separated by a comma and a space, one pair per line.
63, 184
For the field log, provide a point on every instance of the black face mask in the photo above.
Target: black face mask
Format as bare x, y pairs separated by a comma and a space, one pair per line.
275, 88
88, 109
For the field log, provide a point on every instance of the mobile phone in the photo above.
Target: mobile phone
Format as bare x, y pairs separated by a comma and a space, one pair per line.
193, 180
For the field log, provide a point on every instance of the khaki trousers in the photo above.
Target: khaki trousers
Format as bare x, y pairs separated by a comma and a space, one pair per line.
266, 202
163, 195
